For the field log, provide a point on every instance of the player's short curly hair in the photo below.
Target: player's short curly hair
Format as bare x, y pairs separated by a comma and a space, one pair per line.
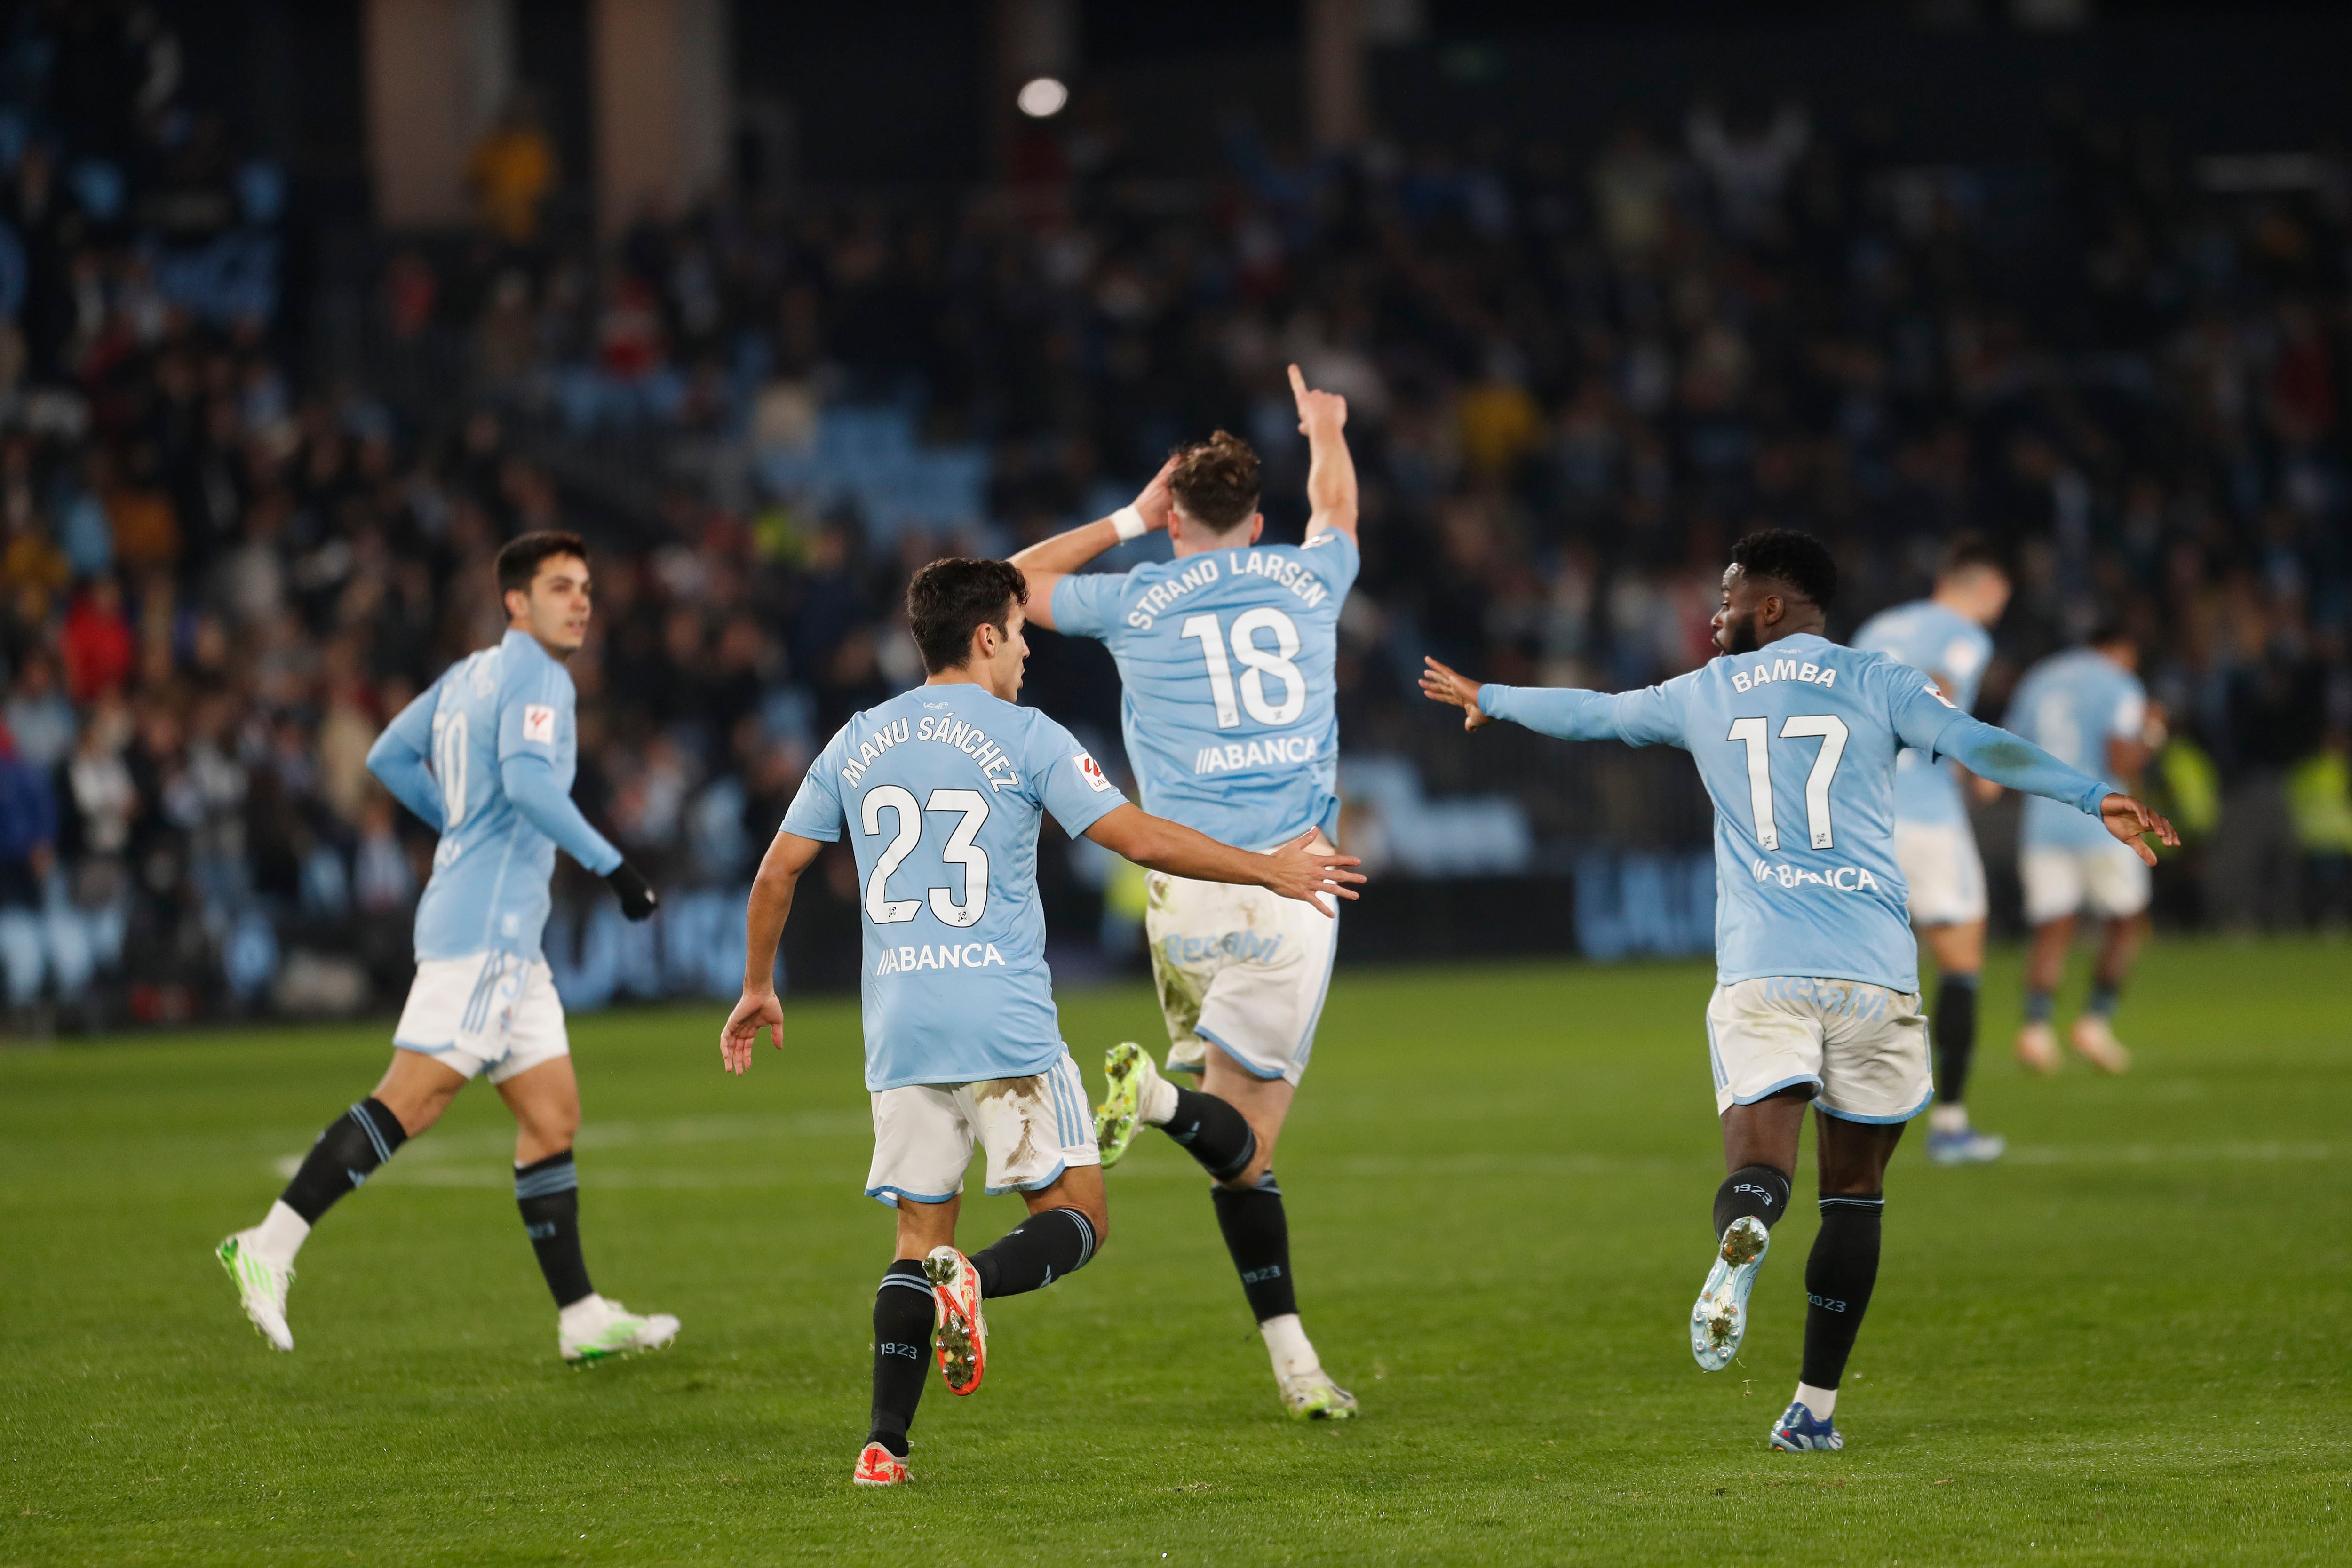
1215, 481
1970, 551
1794, 559
519, 559
950, 600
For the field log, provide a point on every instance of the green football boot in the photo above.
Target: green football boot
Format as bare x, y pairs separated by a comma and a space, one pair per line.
1128, 1069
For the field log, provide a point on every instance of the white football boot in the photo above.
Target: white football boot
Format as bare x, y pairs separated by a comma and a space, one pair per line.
1313, 1396
594, 1328
261, 1287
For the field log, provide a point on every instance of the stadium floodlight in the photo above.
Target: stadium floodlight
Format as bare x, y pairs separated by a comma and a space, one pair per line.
1042, 98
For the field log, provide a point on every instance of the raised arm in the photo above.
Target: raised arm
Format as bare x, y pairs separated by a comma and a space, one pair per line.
764, 926
1331, 470
1294, 870
1994, 754
1048, 561
397, 760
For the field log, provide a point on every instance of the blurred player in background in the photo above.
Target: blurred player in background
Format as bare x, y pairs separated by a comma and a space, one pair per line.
2086, 706
1226, 656
1817, 974
942, 788
1949, 636
485, 756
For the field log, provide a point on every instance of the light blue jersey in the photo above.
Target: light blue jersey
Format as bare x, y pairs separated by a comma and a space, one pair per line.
1953, 650
941, 787
1227, 663
2071, 705
1796, 744
487, 755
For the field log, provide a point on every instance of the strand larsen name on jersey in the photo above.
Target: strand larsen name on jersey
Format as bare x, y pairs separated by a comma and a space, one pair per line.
1273, 751
1279, 569
945, 731
946, 955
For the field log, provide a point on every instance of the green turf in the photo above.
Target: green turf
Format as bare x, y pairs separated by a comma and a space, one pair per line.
2125, 1344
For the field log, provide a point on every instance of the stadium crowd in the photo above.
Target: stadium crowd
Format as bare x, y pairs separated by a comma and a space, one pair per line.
1574, 375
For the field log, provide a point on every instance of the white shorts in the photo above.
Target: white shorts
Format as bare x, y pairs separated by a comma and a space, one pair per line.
1939, 860
1239, 968
1863, 1047
488, 1011
1033, 1129
2108, 879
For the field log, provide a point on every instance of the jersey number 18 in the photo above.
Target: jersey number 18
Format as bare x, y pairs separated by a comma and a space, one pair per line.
1257, 666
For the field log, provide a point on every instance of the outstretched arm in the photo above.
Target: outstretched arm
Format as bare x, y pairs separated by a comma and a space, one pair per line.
1331, 470
1994, 754
530, 783
1048, 561
1645, 717
764, 926
1294, 870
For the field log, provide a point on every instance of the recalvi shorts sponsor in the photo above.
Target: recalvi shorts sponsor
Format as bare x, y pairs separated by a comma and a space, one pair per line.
1241, 969
1863, 1047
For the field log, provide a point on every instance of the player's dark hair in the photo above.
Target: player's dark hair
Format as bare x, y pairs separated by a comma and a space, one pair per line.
1970, 551
1794, 559
1216, 481
950, 600
519, 561
2108, 631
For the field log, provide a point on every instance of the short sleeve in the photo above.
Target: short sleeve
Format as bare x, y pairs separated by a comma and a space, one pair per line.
815, 812
535, 715
1068, 782
1086, 604
1334, 558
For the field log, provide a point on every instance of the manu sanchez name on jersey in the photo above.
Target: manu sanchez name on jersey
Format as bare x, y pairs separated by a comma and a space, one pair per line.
941, 790
1227, 662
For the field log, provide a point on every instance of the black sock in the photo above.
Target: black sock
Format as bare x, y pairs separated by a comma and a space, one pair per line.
1956, 1037
1035, 1253
548, 1193
1757, 1190
1213, 1132
1838, 1279
345, 1155
1257, 1234
903, 1311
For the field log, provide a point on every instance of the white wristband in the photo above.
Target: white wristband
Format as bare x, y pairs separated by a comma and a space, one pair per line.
1129, 523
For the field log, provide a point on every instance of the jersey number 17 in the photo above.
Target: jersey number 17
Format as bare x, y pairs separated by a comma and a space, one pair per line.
1754, 734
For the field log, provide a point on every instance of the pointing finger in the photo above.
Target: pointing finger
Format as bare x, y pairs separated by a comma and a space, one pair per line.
1297, 384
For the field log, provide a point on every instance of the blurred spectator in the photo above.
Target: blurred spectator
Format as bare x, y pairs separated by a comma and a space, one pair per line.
512, 168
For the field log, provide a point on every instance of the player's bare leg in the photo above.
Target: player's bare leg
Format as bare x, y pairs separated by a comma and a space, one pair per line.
545, 1101
1958, 949
413, 1093
2045, 965
2093, 1034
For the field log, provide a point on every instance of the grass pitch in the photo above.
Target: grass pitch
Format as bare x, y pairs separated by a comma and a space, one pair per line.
2124, 1345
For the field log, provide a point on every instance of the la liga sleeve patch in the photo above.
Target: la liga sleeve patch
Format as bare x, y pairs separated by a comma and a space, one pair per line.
539, 723
1091, 771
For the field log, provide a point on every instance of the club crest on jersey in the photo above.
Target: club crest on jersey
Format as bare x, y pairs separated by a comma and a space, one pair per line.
539, 723
1091, 771
1782, 669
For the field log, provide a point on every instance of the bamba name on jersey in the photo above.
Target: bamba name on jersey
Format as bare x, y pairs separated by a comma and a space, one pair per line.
1782, 669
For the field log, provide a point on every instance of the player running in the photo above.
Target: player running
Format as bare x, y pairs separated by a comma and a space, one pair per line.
1226, 654
1817, 974
485, 755
1948, 636
2087, 707
943, 787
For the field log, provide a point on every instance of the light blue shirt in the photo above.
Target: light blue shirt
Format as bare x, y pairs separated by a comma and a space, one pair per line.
943, 787
487, 755
2071, 704
1227, 660
1796, 744
1955, 651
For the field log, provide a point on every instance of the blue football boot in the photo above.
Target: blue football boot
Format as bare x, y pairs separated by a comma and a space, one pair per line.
1718, 1322
1797, 1432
